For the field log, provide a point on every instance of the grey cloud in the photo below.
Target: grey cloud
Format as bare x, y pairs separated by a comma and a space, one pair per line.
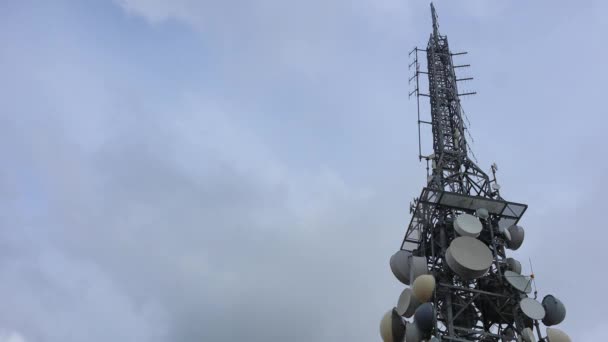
192, 212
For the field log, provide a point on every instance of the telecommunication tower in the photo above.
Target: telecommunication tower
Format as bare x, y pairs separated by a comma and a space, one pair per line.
464, 287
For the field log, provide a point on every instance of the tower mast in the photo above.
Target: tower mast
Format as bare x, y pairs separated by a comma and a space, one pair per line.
452, 168
464, 287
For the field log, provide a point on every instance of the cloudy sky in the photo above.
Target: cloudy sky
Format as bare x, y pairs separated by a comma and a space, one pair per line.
241, 170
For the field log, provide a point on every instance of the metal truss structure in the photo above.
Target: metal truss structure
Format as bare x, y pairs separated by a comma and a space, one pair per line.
482, 309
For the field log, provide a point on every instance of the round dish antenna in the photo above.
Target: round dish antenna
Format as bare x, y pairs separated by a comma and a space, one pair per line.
532, 308
556, 335
400, 266
423, 287
467, 225
468, 257
407, 303
518, 281
556, 311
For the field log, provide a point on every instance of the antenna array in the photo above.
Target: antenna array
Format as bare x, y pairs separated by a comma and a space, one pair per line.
462, 284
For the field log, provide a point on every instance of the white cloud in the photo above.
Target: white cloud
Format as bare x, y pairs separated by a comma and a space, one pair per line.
170, 221
11, 336
59, 298
308, 38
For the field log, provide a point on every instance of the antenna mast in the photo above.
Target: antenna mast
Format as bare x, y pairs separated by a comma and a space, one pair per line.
453, 170
463, 285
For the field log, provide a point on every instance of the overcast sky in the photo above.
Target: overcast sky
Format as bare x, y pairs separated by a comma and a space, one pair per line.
241, 170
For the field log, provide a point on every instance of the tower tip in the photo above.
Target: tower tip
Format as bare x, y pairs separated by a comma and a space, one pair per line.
435, 21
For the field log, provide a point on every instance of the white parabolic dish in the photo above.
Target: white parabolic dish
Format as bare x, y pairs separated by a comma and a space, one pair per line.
532, 308
417, 266
423, 287
513, 265
412, 333
400, 266
518, 281
482, 213
467, 225
386, 327
468, 257
407, 303
556, 335
528, 335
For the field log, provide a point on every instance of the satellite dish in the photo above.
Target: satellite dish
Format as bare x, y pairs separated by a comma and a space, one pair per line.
423, 287
418, 266
482, 213
407, 303
424, 317
513, 265
556, 335
386, 327
467, 225
400, 266
532, 308
556, 311
392, 328
496, 186
517, 237
528, 335
412, 333
518, 281
468, 257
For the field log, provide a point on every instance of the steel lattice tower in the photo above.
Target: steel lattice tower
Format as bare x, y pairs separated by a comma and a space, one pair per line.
480, 308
